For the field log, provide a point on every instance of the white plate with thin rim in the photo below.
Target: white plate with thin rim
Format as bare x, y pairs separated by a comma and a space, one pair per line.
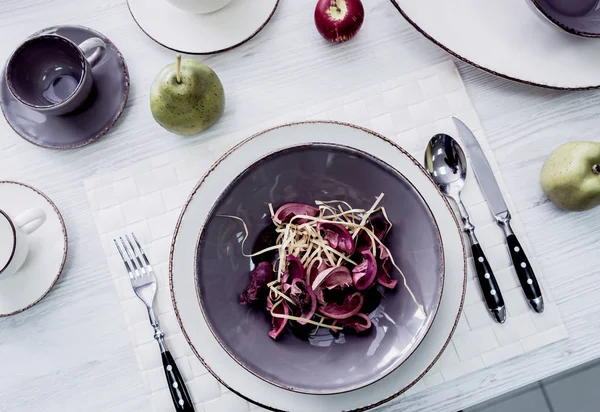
183, 284
509, 38
47, 250
208, 33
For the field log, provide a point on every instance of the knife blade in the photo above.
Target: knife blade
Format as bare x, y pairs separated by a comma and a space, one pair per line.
495, 199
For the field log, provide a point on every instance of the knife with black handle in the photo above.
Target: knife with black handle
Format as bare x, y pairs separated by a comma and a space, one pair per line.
495, 199
527, 278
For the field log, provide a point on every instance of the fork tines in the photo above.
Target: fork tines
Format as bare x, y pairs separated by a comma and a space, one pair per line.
132, 255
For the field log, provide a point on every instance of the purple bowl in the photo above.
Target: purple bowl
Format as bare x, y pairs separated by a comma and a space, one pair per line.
579, 17
320, 365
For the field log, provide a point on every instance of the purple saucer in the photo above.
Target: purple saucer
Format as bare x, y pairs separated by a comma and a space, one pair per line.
94, 119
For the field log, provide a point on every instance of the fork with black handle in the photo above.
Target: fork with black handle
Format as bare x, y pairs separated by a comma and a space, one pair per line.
143, 281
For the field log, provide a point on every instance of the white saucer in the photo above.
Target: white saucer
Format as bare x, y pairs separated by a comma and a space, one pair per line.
509, 38
190, 33
183, 285
47, 250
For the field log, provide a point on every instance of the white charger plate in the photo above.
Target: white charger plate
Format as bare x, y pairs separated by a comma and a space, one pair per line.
508, 38
192, 33
183, 285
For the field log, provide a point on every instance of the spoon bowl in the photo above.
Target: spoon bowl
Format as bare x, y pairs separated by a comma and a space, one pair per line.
446, 163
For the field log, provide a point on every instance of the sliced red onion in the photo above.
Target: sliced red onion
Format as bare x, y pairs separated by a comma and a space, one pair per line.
365, 272
383, 253
337, 236
305, 299
315, 267
256, 291
380, 226
294, 267
363, 241
269, 303
337, 276
320, 296
286, 283
286, 212
358, 323
384, 267
350, 307
279, 323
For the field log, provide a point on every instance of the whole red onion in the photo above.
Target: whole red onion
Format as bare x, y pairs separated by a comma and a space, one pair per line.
339, 20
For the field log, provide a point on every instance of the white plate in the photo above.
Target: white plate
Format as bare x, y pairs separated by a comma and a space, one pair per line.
191, 33
509, 38
47, 250
183, 288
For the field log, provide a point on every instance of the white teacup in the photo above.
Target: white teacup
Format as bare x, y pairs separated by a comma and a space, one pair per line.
199, 6
14, 244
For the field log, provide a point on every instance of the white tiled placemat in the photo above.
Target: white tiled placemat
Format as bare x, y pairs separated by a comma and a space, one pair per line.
147, 197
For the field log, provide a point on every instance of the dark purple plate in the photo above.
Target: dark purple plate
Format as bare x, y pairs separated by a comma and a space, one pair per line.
321, 365
579, 17
94, 119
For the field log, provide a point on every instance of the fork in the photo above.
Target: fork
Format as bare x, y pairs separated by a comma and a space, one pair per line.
143, 281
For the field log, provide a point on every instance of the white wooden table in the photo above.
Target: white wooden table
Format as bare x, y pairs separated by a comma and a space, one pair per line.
71, 352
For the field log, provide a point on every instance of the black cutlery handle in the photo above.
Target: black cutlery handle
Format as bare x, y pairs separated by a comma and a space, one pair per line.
524, 270
179, 393
489, 285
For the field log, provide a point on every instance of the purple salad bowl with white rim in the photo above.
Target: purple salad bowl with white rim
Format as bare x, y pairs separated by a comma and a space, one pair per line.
321, 364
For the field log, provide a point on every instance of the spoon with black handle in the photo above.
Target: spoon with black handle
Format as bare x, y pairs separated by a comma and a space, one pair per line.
445, 161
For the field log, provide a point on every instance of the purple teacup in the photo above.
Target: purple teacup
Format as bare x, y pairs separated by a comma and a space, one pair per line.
51, 74
579, 17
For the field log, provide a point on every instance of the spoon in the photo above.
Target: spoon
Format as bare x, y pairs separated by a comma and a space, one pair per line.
445, 161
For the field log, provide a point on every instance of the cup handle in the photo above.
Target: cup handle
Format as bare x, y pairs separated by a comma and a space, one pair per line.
99, 52
30, 220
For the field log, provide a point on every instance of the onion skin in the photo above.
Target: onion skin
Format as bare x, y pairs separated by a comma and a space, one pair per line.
286, 212
365, 272
314, 268
380, 226
363, 241
301, 292
337, 236
383, 275
358, 323
295, 267
257, 290
339, 20
350, 307
384, 267
279, 323
338, 276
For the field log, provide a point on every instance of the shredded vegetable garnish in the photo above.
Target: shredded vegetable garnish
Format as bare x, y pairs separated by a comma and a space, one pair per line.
331, 260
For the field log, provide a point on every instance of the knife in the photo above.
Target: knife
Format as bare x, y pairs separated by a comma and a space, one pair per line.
495, 200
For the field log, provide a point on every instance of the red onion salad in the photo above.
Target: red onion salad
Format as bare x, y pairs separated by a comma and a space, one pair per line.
331, 262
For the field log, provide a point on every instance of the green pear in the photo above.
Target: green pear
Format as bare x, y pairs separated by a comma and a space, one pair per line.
187, 97
571, 176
